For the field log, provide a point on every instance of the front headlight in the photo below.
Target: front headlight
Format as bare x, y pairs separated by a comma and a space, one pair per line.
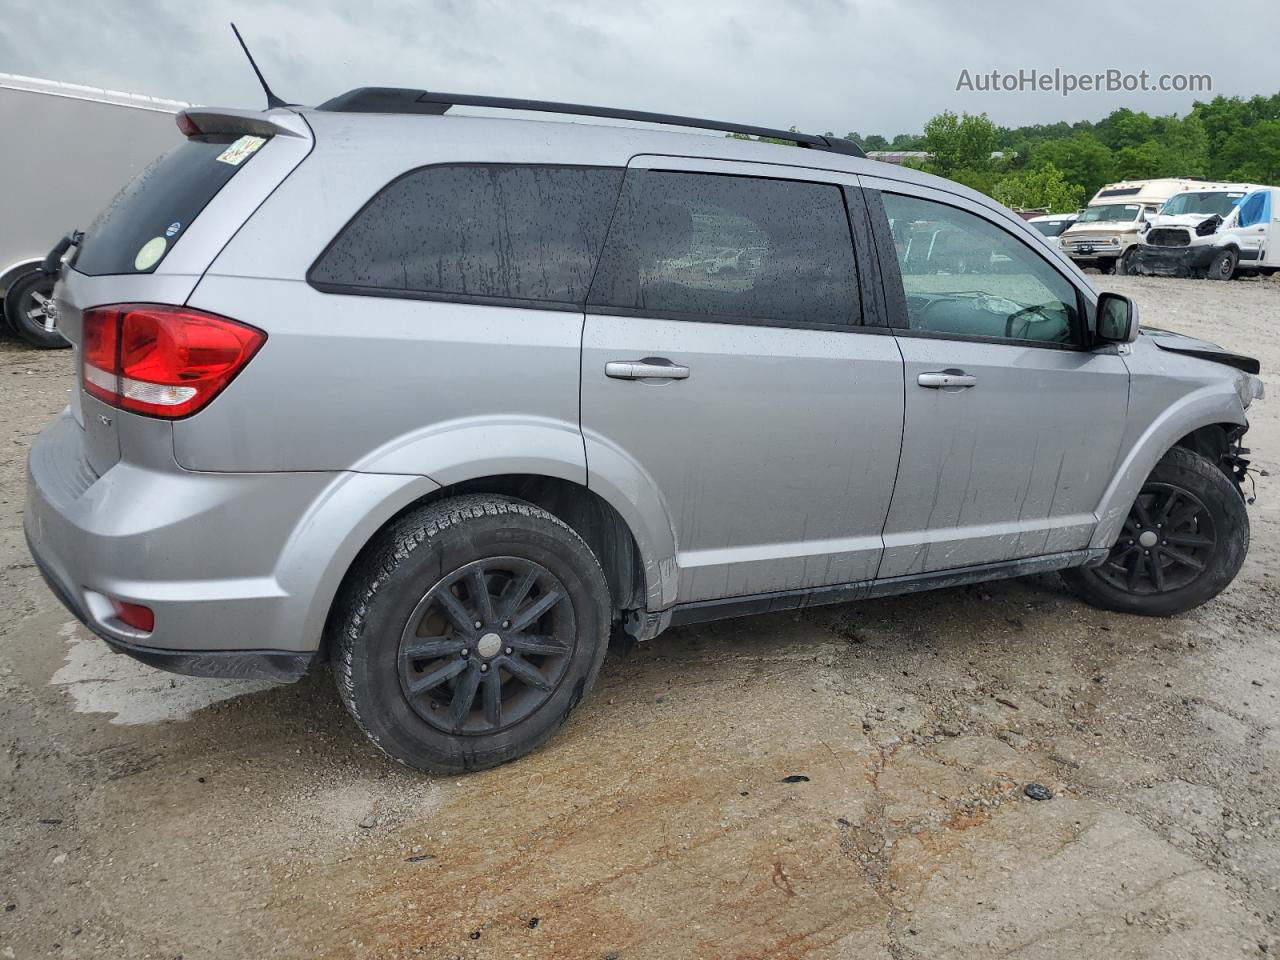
1249, 388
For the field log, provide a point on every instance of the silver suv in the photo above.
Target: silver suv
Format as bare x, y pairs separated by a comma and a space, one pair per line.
446, 399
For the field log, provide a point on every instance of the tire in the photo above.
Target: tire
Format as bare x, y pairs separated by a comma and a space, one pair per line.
1223, 266
1206, 523
1125, 265
1106, 267
417, 576
24, 309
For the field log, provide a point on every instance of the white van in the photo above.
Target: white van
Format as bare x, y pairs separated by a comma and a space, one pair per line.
1107, 232
1216, 244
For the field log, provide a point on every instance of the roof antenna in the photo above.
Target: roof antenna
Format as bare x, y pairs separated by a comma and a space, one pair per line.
272, 100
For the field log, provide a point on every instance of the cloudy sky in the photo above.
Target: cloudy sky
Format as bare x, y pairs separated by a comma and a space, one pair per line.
874, 66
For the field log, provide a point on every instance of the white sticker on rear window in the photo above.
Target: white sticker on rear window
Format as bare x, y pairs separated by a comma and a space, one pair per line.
241, 150
150, 253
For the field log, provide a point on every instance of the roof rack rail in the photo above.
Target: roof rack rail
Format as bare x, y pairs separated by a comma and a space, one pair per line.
402, 100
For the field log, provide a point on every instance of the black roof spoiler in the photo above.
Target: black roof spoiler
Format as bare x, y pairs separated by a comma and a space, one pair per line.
401, 100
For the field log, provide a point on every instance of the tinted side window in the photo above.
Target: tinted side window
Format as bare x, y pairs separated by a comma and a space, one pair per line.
964, 275
507, 232
695, 245
149, 215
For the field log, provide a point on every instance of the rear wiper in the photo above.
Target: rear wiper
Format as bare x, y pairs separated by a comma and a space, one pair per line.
53, 261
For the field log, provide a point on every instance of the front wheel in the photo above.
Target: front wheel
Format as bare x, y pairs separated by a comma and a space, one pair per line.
1127, 265
1183, 542
1223, 266
469, 631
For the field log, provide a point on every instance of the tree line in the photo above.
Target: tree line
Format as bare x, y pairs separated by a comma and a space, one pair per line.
1062, 165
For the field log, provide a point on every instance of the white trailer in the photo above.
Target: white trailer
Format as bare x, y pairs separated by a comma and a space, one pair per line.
80, 145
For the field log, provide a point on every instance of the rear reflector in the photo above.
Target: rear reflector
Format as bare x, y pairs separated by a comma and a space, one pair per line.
134, 615
162, 361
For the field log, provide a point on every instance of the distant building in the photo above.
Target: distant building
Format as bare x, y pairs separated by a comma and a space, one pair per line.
900, 157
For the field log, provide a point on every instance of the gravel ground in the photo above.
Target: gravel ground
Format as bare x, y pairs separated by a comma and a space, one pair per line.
143, 815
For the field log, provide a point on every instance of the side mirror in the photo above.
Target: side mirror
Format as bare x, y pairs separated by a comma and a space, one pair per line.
1117, 319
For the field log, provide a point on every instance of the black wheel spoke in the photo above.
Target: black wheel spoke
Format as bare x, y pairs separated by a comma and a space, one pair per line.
1188, 540
516, 591
429, 681
1135, 571
1140, 511
525, 672
1177, 556
464, 695
458, 615
480, 598
530, 643
531, 613
493, 699
1167, 507
1157, 571
431, 648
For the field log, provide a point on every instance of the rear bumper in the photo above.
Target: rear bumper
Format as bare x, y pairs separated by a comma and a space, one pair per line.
239, 569
1175, 261
278, 665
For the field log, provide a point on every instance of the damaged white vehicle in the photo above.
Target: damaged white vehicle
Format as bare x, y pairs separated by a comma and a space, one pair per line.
1218, 233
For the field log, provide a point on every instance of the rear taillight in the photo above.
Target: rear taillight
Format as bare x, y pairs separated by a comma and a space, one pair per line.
162, 361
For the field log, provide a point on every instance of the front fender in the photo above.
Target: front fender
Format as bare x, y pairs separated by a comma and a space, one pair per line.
1210, 404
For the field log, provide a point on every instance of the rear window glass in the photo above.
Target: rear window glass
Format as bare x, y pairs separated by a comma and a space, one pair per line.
149, 216
694, 246
476, 232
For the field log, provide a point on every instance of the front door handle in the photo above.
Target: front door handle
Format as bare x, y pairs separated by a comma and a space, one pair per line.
947, 380
650, 368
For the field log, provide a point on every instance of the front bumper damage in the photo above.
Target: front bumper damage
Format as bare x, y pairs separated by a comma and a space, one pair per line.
1173, 261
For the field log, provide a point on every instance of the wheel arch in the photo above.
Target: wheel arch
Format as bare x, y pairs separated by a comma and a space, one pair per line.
632, 574
1191, 422
13, 271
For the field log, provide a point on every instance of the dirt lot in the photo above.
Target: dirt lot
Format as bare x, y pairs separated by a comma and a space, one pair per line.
143, 815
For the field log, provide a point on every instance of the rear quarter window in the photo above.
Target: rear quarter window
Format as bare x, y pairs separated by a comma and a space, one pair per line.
140, 226
483, 232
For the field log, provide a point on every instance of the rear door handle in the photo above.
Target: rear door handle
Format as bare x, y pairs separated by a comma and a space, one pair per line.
650, 368
947, 379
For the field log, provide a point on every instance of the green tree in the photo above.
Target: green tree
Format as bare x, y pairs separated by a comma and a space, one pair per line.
1143, 162
1044, 186
1082, 159
1125, 128
959, 142
873, 142
1186, 145
1252, 154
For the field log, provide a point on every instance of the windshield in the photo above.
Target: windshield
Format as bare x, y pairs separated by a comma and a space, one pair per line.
1051, 228
1110, 211
1220, 203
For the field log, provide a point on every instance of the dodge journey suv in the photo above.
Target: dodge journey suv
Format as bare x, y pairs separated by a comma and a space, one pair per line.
445, 400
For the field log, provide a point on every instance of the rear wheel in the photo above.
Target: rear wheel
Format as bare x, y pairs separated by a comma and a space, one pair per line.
28, 306
1223, 266
1182, 543
470, 631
